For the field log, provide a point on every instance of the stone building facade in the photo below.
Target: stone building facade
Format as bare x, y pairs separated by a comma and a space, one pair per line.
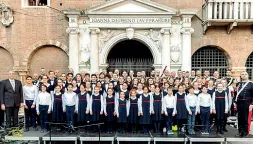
81, 33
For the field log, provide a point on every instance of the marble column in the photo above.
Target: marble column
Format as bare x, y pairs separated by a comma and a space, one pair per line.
186, 48
166, 48
73, 48
94, 52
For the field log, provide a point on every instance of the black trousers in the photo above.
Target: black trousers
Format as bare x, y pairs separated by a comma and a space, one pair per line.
243, 112
30, 115
11, 116
225, 121
1, 117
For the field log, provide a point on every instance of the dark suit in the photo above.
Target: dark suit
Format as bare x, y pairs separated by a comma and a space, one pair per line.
1, 111
53, 84
11, 99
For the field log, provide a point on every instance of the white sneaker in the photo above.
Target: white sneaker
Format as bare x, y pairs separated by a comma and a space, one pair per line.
164, 130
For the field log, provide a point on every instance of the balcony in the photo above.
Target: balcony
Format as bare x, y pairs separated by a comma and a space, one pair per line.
228, 13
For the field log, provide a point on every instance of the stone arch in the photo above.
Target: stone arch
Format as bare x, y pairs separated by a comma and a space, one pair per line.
30, 51
249, 65
229, 59
14, 58
49, 57
7, 63
138, 37
211, 58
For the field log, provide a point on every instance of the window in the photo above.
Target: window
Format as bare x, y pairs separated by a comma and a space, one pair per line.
210, 58
33, 3
249, 66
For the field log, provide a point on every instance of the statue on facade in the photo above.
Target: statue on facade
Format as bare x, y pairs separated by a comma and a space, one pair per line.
6, 13
85, 54
155, 37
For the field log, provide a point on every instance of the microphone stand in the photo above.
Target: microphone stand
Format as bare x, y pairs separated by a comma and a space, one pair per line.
99, 134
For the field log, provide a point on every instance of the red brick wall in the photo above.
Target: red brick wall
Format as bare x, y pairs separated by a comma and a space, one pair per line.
50, 58
6, 63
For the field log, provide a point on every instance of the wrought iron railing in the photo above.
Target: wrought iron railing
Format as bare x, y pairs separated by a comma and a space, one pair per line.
127, 64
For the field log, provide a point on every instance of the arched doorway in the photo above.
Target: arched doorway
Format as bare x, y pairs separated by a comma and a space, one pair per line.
130, 55
210, 58
249, 66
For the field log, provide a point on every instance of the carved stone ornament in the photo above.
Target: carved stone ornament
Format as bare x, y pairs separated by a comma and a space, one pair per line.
105, 36
7, 16
71, 30
155, 36
85, 53
187, 31
175, 54
130, 33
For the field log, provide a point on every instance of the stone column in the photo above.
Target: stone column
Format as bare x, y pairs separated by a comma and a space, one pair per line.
22, 76
73, 48
166, 48
73, 31
186, 48
94, 52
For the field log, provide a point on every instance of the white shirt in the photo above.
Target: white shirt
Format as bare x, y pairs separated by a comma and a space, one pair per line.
12, 83
191, 101
69, 99
30, 93
204, 100
169, 102
44, 98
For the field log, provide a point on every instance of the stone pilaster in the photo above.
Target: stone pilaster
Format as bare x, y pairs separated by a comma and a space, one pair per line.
94, 52
186, 48
166, 48
73, 48
22, 76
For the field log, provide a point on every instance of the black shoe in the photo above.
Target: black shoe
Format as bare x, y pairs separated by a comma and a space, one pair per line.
221, 132
238, 135
26, 130
35, 129
225, 130
244, 135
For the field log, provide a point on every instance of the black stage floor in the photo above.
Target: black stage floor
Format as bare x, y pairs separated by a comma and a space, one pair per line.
37, 137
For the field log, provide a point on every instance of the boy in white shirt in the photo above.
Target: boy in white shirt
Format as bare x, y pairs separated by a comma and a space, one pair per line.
169, 109
205, 109
191, 105
43, 107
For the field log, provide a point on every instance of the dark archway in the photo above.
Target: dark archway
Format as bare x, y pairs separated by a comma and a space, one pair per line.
249, 66
130, 55
210, 58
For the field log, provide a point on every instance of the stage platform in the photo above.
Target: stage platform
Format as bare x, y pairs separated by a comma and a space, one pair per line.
60, 136
133, 138
94, 137
116, 138
210, 138
169, 138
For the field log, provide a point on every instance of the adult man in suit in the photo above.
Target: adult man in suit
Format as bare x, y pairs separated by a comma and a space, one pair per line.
11, 98
52, 80
244, 102
1, 113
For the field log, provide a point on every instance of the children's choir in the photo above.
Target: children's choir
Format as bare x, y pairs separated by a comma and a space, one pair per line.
136, 104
